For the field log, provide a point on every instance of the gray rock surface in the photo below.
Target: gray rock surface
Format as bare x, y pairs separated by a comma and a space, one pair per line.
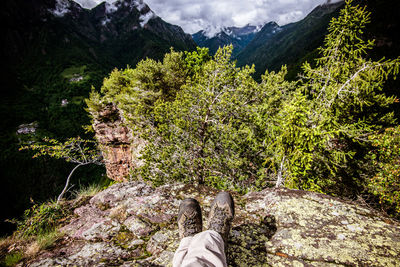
133, 224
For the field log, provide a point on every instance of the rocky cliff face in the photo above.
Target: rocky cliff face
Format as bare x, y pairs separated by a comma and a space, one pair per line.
120, 148
133, 224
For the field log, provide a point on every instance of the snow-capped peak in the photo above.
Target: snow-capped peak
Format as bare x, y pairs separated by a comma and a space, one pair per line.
258, 28
111, 7
235, 32
61, 8
139, 4
142, 8
211, 31
228, 31
144, 19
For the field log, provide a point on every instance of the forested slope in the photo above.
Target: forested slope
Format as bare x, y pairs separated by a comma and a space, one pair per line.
53, 55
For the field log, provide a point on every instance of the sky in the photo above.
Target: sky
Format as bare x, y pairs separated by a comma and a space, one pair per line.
195, 15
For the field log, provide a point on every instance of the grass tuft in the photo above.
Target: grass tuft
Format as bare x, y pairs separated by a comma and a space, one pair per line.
87, 191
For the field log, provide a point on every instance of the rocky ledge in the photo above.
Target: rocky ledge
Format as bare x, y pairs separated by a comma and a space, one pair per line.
133, 224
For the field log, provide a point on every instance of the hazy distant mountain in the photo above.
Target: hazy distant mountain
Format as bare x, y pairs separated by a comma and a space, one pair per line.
290, 43
239, 37
271, 46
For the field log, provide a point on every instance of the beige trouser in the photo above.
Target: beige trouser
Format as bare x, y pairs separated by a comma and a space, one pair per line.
203, 249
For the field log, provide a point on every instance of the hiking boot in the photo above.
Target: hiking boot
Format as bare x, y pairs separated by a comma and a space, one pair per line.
189, 218
221, 215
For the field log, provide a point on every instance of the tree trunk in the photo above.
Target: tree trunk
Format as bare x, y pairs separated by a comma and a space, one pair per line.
280, 180
67, 183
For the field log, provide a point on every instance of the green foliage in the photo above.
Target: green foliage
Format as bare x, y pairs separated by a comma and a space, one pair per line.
203, 120
12, 259
75, 150
386, 160
134, 91
339, 103
92, 189
46, 240
199, 136
40, 219
74, 74
271, 123
205, 127
196, 59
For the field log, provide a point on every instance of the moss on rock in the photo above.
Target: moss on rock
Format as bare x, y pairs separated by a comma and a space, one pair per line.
275, 227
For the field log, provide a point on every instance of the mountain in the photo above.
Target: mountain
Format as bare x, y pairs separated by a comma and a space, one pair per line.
131, 31
55, 50
297, 42
110, 30
238, 37
291, 43
271, 46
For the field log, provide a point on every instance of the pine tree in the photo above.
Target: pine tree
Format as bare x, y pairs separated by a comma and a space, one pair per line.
197, 136
338, 105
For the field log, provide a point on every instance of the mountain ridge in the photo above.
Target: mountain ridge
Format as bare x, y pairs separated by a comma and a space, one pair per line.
291, 42
273, 45
238, 36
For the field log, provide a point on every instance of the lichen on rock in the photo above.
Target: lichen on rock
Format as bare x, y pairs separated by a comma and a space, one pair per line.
133, 224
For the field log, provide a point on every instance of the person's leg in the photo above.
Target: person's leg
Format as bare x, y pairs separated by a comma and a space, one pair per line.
221, 215
181, 252
189, 224
205, 249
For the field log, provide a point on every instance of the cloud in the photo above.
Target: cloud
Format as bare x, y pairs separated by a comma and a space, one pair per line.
195, 15
88, 3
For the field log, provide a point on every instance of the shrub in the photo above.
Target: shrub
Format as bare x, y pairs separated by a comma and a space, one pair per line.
386, 160
40, 219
